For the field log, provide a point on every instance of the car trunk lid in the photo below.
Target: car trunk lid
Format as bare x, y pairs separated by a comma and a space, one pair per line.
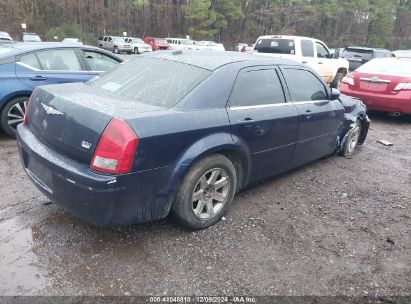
72, 117
378, 83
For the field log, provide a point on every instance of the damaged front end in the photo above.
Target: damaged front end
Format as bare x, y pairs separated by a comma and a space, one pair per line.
355, 117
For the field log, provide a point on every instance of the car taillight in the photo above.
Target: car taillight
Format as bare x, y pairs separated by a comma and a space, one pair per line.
116, 149
403, 86
348, 80
26, 118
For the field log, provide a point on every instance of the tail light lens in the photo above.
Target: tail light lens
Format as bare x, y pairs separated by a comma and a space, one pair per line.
403, 86
116, 149
348, 80
26, 118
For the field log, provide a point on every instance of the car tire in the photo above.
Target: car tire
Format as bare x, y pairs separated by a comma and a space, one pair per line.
337, 80
206, 193
100, 46
13, 114
136, 51
352, 139
115, 50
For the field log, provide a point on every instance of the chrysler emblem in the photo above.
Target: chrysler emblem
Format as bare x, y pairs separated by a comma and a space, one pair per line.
51, 111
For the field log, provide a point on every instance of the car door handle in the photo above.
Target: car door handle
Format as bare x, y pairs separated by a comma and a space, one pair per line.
305, 62
38, 78
246, 121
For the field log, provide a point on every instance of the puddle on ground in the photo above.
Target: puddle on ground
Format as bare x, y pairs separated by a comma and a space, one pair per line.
20, 274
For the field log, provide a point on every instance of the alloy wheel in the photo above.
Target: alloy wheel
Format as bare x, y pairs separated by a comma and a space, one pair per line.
16, 114
210, 193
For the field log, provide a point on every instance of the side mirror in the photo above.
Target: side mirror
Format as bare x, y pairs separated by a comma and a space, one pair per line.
336, 54
334, 94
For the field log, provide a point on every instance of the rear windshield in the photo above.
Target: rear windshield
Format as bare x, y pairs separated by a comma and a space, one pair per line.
152, 81
387, 66
357, 53
275, 45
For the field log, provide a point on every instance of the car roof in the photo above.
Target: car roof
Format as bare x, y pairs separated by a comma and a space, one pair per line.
367, 48
212, 60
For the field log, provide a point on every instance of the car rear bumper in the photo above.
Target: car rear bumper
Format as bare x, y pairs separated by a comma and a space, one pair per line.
102, 200
400, 102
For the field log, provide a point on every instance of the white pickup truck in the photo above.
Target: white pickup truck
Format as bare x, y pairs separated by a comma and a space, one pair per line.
305, 50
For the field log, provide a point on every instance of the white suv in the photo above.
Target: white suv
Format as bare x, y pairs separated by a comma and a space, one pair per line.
115, 44
138, 46
312, 52
181, 44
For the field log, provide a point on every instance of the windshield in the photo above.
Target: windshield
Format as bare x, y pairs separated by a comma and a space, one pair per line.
5, 50
160, 41
31, 38
152, 81
138, 40
387, 66
187, 42
275, 45
357, 53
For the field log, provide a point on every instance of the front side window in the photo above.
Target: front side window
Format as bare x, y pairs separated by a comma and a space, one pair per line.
259, 87
59, 60
322, 52
304, 85
307, 48
99, 62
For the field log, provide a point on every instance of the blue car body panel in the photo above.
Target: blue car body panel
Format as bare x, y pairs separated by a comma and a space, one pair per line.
17, 80
262, 141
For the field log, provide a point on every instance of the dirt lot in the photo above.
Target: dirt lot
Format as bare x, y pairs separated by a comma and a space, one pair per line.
335, 227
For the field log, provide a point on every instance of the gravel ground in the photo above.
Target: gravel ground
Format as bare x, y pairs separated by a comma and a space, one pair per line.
335, 227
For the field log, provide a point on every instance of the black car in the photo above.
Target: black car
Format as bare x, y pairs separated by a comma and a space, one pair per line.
358, 55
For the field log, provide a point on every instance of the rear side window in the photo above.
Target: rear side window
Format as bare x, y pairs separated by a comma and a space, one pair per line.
59, 60
30, 60
152, 81
278, 46
304, 85
259, 87
307, 48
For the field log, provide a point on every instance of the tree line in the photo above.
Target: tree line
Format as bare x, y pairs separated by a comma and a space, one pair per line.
376, 23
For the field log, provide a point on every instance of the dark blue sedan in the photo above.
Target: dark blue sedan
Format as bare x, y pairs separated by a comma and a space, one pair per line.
24, 66
180, 132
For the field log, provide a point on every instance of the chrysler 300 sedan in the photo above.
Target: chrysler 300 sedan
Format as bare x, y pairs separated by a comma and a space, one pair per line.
138, 143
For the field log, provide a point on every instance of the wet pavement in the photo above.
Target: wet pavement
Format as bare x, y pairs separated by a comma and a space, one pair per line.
335, 227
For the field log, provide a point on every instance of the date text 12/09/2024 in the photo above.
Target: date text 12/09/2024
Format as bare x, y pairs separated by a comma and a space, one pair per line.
203, 299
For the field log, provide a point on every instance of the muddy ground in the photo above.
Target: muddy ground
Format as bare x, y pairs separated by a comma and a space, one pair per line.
335, 227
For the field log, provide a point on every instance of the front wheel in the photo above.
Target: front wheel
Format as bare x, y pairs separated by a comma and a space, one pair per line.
136, 51
115, 50
351, 141
206, 192
13, 114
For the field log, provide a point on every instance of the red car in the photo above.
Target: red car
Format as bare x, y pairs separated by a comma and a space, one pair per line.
383, 84
157, 43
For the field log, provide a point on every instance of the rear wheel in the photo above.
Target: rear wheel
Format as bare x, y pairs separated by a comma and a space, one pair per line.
352, 140
136, 51
206, 192
13, 114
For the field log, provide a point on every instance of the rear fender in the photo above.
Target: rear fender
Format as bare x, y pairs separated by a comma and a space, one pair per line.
209, 145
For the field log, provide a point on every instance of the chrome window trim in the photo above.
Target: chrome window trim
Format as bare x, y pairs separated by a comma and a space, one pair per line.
272, 105
59, 71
